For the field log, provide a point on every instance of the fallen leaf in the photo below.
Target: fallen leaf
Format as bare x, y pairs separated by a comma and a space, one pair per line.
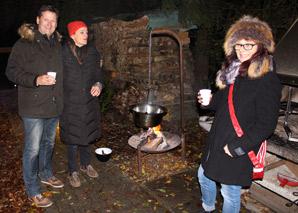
188, 177
48, 194
55, 192
162, 190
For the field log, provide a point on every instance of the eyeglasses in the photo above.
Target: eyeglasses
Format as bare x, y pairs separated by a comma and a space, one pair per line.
245, 46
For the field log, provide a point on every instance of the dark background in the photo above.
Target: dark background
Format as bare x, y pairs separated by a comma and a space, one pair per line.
213, 18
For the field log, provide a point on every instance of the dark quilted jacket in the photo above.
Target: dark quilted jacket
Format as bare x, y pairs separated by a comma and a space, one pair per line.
31, 56
80, 121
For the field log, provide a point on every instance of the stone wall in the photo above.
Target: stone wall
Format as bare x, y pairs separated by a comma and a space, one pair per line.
125, 50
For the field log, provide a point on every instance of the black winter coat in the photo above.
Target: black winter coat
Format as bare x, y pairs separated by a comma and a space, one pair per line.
80, 122
256, 103
34, 55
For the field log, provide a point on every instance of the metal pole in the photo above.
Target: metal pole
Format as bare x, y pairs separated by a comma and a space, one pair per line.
139, 161
181, 86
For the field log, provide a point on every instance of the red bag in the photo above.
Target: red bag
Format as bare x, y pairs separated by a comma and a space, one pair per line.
257, 161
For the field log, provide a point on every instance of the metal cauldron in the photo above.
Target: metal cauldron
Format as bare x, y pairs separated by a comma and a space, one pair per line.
147, 115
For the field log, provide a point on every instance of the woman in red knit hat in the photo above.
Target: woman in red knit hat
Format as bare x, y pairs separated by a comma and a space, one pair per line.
83, 83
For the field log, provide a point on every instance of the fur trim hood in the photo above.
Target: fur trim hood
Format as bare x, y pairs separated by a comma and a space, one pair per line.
251, 28
257, 68
254, 29
27, 31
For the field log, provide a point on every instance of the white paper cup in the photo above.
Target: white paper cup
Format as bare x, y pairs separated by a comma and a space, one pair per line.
205, 95
52, 74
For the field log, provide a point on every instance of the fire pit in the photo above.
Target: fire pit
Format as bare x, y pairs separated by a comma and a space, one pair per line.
149, 115
154, 140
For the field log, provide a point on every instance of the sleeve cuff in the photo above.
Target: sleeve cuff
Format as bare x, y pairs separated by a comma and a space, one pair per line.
35, 81
99, 85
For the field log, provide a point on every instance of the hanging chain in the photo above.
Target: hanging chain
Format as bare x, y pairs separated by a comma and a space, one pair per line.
149, 71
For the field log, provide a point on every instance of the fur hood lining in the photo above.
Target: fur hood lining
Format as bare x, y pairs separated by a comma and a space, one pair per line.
256, 69
27, 31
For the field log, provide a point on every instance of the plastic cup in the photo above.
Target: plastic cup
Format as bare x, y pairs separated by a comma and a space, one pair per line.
52, 74
205, 95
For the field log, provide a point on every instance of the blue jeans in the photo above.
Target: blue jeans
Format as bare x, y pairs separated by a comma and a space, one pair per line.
39, 144
231, 194
72, 153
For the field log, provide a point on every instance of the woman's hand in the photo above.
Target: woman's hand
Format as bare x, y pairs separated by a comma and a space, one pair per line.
227, 151
95, 91
200, 100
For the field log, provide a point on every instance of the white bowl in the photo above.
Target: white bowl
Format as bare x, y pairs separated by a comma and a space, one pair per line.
103, 154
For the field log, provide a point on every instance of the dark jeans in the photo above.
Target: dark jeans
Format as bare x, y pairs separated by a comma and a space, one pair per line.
72, 153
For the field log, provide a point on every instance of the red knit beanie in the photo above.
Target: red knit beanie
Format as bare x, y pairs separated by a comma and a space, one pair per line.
74, 26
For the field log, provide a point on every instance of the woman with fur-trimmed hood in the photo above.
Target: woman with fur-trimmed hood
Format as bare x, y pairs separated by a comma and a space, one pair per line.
256, 98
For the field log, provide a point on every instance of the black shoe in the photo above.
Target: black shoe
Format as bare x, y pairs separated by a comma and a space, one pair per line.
202, 210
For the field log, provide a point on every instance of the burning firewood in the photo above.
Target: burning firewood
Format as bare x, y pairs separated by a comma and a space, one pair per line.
153, 144
147, 133
143, 141
153, 139
163, 145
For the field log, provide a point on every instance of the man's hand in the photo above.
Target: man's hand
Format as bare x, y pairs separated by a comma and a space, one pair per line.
95, 91
45, 80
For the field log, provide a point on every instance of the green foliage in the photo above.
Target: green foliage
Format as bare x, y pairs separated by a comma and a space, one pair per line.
106, 96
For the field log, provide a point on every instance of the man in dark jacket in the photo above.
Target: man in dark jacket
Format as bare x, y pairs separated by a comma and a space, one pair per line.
40, 97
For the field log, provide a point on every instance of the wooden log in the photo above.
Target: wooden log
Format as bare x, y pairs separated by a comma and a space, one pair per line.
143, 142
293, 167
153, 144
274, 165
270, 199
5, 49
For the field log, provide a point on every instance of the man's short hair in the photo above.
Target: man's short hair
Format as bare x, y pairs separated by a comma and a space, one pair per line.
50, 8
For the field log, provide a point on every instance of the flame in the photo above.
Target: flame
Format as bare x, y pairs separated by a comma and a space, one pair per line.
157, 129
